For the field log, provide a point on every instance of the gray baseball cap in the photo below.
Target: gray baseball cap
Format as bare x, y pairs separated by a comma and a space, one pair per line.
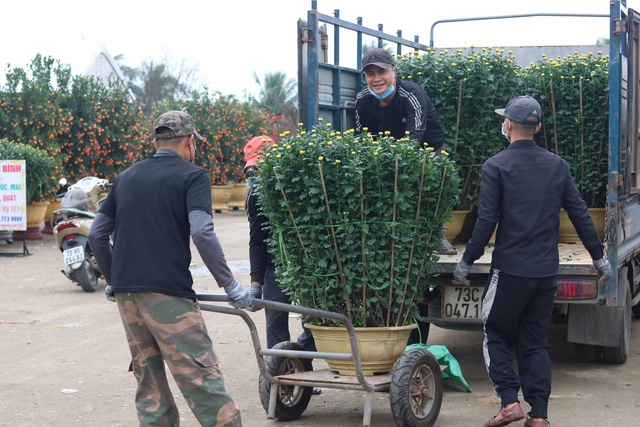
180, 123
380, 57
522, 109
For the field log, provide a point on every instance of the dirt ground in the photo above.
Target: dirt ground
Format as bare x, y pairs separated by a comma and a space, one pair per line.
64, 358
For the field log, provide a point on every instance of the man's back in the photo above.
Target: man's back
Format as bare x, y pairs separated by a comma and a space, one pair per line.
524, 187
151, 204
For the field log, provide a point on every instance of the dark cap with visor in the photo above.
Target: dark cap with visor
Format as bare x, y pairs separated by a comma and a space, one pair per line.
380, 57
522, 109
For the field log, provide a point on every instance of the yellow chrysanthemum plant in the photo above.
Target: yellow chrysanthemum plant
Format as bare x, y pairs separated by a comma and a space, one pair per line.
467, 85
355, 220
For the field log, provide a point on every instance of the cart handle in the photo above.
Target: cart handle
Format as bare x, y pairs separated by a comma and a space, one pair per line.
313, 312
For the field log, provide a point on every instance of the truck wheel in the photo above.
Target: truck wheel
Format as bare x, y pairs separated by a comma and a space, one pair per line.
586, 353
416, 386
619, 353
87, 277
291, 400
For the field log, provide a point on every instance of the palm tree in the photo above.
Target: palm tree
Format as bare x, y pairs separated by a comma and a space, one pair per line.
154, 83
278, 96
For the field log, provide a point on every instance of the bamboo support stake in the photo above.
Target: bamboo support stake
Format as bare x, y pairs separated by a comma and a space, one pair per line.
455, 143
284, 196
581, 132
553, 114
413, 242
393, 236
335, 241
435, 214
364, 257
466, 185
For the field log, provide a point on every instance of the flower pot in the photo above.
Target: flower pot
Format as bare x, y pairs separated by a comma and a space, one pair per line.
54, 205
380, 347
238, 196
453, 227
219, 196
35, 216
567, 233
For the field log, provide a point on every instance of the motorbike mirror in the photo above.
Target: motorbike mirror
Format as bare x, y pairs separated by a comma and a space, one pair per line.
62, 182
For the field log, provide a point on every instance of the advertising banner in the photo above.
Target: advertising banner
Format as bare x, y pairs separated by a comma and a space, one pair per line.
13, 195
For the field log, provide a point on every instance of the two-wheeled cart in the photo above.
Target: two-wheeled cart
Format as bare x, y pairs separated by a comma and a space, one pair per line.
415, 383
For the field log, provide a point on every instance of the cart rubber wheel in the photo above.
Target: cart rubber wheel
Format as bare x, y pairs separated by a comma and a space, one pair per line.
87, 277
416, 389
292, 400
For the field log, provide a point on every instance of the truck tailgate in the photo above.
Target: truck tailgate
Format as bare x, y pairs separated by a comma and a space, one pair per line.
574, 260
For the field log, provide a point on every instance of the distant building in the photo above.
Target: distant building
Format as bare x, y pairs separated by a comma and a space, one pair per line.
102, 65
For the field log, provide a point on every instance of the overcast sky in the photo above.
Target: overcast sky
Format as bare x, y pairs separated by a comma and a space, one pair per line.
227, 41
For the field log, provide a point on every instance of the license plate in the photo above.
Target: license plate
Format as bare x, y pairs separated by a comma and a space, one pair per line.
462, 302
73, 255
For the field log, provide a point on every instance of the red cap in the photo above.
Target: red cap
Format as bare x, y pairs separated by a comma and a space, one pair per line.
254, 148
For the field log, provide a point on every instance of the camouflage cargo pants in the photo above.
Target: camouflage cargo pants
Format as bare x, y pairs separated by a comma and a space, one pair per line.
162, 328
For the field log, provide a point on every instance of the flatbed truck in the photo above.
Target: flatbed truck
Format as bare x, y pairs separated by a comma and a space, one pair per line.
598, 315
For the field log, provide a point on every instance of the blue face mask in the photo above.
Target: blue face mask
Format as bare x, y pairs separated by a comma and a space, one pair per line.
504, 132
384, 94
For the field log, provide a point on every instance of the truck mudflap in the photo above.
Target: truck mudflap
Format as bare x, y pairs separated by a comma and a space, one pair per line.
604, 326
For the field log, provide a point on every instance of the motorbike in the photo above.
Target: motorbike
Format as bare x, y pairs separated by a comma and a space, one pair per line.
71, 224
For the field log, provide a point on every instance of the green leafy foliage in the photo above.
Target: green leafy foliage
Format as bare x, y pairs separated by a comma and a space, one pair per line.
574, 94
87, 128
466, 87
39, 167
355, 221
94, 128
227, 124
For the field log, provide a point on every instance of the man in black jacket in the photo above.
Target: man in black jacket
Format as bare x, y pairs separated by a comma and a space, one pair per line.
264, 283
399, 107
523, 189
